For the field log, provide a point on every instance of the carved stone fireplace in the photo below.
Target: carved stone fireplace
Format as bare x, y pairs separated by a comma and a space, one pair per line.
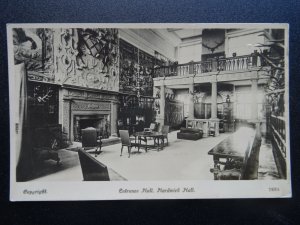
84, 108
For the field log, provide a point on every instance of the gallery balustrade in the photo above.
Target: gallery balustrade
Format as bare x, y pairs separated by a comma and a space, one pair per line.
213, 65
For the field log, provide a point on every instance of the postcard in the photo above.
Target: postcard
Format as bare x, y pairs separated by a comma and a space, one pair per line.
148, 111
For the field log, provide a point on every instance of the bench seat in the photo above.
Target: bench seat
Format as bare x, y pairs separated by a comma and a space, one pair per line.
190, 134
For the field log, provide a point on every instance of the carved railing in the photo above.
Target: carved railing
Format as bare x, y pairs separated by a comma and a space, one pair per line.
278, 139
235, 63
278, 132
222, 64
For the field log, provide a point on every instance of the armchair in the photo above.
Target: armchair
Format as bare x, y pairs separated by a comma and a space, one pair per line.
90, 140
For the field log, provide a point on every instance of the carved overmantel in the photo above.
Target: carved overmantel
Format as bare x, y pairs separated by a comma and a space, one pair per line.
71, 92
78, 105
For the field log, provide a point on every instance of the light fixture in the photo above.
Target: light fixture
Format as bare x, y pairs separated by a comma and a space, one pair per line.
228, 99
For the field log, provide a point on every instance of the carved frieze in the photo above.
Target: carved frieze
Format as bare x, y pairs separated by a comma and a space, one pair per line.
90, 106
41, 77
75, 93
96, 95
102, 96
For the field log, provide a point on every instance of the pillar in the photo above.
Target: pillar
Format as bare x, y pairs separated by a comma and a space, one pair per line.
113, 119
162, 104
254, 113
214, 119
254, 100
191, 101
214, 100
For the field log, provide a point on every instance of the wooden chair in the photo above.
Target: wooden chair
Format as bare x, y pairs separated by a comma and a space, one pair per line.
151, 128
165, 130
90, 140
125, 140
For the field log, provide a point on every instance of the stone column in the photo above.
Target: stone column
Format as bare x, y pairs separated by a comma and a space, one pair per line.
162, 102
113, 119
214, 100
254, 99
191, 101
254, 114
161, 118
214, 119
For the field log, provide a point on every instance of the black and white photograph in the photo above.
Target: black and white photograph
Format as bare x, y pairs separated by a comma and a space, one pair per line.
148, 111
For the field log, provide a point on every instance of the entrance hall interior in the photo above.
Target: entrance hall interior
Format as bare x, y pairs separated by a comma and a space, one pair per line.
111, 104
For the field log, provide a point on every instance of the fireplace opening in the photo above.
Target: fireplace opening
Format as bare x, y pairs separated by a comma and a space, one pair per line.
85, 123
99, 122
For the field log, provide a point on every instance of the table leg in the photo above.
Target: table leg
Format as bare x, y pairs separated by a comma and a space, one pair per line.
139, 143
216, 167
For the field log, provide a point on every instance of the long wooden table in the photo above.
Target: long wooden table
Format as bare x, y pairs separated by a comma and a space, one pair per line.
235, 147
157, 137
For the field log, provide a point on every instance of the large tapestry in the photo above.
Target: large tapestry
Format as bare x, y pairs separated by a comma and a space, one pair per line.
81, 57
136, 70
174, 113
87, 58
34, 47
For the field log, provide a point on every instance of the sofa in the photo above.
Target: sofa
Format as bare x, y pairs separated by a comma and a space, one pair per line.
189, 134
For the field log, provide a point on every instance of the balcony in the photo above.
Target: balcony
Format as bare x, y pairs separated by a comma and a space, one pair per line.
237, 63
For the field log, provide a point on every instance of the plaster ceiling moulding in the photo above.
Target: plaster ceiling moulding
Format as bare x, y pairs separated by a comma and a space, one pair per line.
166, 35
186, 33
133, 38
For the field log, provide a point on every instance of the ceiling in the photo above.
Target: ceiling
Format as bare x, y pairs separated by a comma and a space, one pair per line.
177, 35
185, 33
